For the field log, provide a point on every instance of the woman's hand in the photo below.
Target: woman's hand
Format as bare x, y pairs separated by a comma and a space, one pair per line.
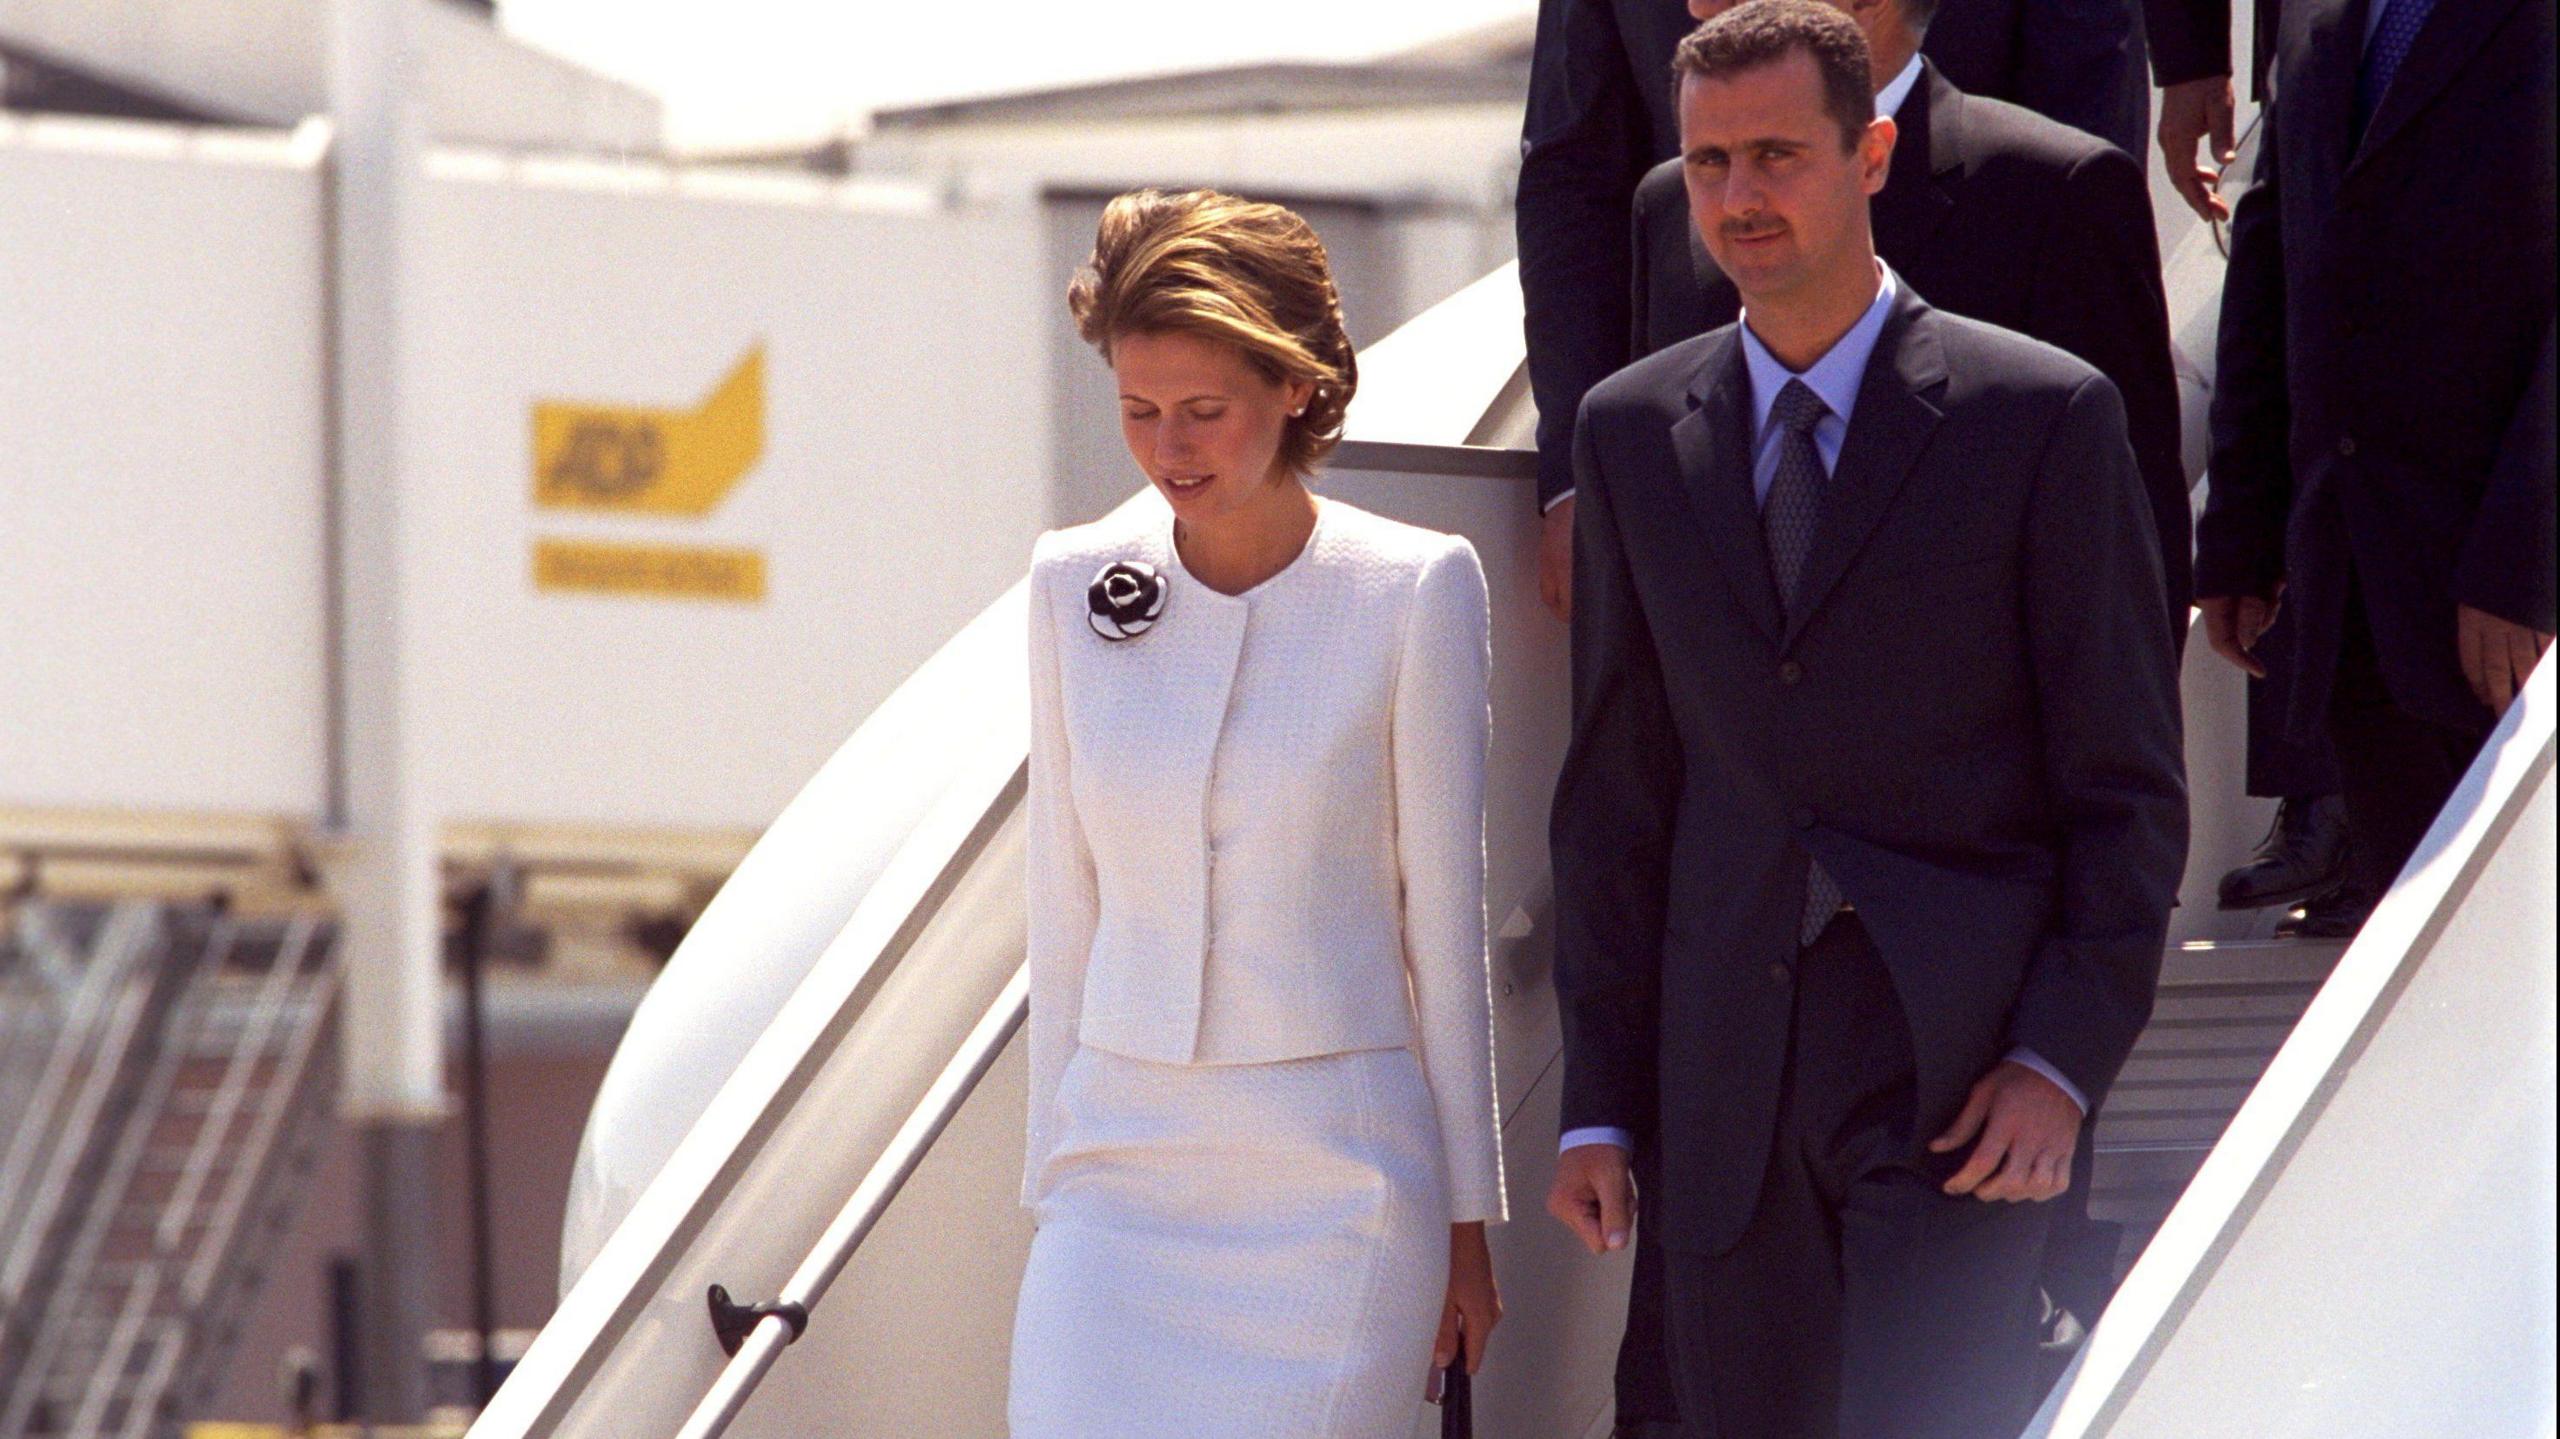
1473, 1306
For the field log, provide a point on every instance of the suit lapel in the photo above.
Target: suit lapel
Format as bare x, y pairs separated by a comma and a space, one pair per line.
1917, 196
1895, 416
1713, 446
2454, 32
2318, 113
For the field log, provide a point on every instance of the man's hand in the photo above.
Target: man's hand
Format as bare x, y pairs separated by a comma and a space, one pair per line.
2234, 624
2029, 1129
1595, 1195
2191, 112
1555, 560
2497, 655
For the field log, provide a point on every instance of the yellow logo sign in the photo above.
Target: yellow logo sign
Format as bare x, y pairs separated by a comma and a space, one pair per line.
654, 461
684, 572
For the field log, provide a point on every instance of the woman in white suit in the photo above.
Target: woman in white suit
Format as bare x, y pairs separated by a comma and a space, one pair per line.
1262, 1141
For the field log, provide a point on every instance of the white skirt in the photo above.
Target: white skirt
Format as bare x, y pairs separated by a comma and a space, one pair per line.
1254, 1250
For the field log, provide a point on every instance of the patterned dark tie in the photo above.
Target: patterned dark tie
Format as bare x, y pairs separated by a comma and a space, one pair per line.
1787, 519
2392, 37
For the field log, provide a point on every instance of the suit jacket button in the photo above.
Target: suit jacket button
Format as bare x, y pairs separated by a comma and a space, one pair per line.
1780, 973
2346, 446
1803, 818
1790, 672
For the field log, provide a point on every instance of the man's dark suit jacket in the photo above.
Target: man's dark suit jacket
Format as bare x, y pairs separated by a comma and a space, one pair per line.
1997, 214
1600, 114
2191, 40
1972, 723
2384, 393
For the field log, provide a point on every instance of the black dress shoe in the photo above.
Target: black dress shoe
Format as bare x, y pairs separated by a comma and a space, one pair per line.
2304, 853
2339, 914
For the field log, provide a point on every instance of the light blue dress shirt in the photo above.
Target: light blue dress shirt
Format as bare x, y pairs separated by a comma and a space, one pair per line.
1834, 379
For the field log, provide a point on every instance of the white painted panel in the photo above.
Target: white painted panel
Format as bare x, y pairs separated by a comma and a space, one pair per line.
900, 486
2398, 1276
161, 471
162, 531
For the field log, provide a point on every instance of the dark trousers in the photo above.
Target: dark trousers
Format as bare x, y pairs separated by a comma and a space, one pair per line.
2395, 769
1646, 1406
1862, 1302
2282, 765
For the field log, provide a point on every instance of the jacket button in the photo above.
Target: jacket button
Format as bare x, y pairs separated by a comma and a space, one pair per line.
1780, 973
1803, 818
2346, 445
1790, 672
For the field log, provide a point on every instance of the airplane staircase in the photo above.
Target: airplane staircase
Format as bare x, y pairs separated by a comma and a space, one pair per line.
185, 1088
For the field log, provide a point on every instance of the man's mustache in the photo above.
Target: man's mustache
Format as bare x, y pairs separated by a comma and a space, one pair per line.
1736, 230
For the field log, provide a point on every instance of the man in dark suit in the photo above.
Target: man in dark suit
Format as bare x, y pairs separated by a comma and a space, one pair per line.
1599, 116
1991, 212
2303, 858
2382, 409
1996, 213
1866, 614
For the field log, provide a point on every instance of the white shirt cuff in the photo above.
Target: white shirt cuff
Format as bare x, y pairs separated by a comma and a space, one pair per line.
2036, 1062
1597, 1134
1558, 500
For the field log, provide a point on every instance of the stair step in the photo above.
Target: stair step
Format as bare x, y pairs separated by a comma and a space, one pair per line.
173, 1159
140, 1216
2148, 1098
122, 1274
2300, 961
2200, 1068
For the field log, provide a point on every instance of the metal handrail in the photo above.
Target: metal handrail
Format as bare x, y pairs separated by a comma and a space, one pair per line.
107, 1195
317, 991
900, 906
853, 1223
31, 1167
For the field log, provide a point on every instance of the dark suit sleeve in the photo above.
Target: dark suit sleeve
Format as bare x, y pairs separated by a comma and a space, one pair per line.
1582, 149
1611, 831
1639, 273
2506, 566
2099, 295
2081, 62
2249, 479
2106, 699
2190, 39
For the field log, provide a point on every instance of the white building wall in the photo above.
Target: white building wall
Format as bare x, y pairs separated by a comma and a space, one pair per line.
902, 481
162, 525
161, 470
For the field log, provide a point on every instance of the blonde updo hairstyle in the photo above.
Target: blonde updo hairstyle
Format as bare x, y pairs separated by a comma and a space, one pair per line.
1247, 274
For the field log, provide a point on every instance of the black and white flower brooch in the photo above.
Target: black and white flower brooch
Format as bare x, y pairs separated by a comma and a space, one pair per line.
1125, 600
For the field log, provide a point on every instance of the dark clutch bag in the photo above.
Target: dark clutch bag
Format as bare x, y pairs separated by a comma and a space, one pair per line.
1457, 1412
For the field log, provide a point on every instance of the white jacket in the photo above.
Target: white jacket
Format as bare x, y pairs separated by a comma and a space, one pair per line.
1257, 828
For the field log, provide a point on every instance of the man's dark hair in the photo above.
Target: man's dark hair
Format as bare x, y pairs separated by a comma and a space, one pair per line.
1764, 32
